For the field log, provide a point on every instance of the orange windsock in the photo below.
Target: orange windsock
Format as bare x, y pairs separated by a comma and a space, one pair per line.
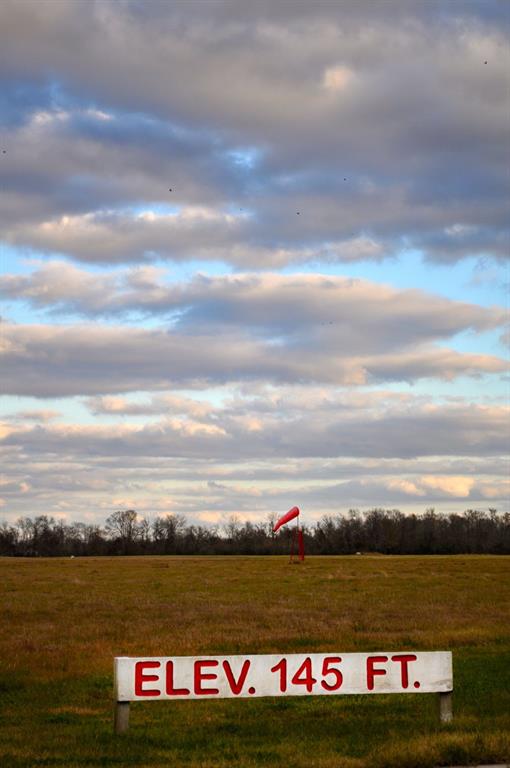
290, 515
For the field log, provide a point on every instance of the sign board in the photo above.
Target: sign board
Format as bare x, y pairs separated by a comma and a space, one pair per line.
298, 674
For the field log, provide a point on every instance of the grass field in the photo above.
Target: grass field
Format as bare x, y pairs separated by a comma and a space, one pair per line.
63, 621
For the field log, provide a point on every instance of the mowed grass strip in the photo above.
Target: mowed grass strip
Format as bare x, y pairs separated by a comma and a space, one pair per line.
63, 621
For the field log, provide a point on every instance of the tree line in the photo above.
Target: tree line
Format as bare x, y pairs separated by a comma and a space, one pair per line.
387, 531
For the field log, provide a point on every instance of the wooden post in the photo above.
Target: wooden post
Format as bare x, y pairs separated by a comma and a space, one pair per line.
121, 717
121, 708
445, 707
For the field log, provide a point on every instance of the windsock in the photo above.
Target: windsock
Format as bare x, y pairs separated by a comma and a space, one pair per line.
287, 517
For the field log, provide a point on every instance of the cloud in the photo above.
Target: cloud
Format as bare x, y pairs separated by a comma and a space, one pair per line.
453, 486
426, 431
42, 415
304, 94
62, 158
327, 464
347, 448
123, 236
56, 361
245, 327
158, 405
361, 315
240, 238
336, 79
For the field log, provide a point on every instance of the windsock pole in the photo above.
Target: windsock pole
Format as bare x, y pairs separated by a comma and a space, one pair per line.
300, 541
294, 541
297, 541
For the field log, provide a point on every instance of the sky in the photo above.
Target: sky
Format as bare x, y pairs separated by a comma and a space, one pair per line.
253, 255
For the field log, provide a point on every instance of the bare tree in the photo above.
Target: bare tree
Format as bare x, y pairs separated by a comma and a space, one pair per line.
123, 525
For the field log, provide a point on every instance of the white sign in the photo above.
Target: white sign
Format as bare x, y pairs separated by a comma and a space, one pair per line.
298, 674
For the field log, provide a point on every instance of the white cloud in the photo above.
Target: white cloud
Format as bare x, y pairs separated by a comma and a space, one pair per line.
367, 316
348, 449
336, 79
303, 96
452, 486
228, 433
53, 361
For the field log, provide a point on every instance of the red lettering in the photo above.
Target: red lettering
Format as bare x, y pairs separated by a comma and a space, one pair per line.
372, 672
281, 667
327, 669
236, 686
170, 690
303, 676
140, 678
403, 659
200, 676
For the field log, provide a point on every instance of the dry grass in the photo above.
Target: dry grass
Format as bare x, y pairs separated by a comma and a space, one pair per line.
63, 621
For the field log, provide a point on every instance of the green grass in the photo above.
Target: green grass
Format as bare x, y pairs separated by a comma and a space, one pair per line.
64, 620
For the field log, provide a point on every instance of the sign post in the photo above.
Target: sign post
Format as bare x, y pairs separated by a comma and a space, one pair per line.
120, 708
297, 674
445, 707
121, 717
